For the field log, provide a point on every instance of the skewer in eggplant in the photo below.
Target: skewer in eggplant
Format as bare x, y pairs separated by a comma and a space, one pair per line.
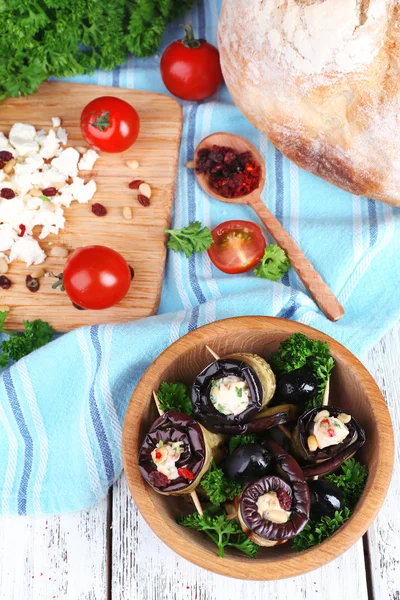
231, 395
275, 508
324, 438
176, 453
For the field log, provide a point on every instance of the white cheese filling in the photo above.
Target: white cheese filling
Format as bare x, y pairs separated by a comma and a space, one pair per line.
33, 172
268, 508
328, 430
165, 456
230, 395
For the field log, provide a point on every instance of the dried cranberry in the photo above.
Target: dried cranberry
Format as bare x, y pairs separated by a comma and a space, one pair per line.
132, 272
143, 200
229, 157
5, 155
50, 191
32, 283
99, 210
2, 164
7, 193
285, 500
217, 167
22, 230
158, 479
186, 473
5, 283
134, 185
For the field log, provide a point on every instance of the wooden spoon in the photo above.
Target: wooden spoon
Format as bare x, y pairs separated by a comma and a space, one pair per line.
318, 289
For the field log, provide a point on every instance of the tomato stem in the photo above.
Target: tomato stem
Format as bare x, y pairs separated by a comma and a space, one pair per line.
102, 121
189, 40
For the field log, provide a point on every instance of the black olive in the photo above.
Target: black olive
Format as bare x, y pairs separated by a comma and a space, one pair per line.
326, 498
247, 463
296, 387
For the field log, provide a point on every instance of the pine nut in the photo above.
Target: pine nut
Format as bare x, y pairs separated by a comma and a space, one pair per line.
127, 212
276, 516
81, 149
312, 443
9, 166
35, 193
189, 164
3, 266
344, 418
132, 164
37, 273
322, 414
145, 189
58, 251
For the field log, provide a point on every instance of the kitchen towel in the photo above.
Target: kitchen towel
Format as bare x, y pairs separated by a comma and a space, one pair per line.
62, 407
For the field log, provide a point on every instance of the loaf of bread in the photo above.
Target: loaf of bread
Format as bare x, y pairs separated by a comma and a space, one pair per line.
321, 78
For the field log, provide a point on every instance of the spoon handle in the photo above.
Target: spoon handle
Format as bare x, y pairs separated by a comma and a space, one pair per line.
318, 289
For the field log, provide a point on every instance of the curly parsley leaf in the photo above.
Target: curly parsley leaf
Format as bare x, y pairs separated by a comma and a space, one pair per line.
189, 239
241, 440
218, 487
299, 351
274, 264
222, 532
315, 532
351, 481
175, 396
35, 335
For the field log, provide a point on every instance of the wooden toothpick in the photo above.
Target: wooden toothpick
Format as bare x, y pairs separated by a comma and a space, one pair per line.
214, 354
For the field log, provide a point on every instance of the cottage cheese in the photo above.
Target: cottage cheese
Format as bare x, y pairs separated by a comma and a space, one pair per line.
41, 163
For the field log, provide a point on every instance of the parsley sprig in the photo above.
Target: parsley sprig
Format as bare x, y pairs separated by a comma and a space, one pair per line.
223, 533
175, 396
299, 351
351, 481
35, 335
218, 487
241, 440
274, 264
189, 239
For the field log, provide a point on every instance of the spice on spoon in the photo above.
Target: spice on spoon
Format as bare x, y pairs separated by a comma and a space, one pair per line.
231, 174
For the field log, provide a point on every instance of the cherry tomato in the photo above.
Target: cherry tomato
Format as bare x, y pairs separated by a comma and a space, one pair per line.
190, 68
96, 277
110, 124
238, 246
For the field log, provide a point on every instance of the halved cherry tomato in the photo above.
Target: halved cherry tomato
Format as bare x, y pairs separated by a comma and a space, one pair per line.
110, 124
238, 246
190, 68
96, 277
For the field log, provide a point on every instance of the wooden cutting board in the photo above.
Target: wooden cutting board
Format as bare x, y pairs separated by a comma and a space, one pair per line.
141, 241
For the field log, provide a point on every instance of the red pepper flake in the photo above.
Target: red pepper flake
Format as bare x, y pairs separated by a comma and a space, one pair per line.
135, 184
325, 422
331, 432
99, 210
22, 230
158, 454
50, 191
7, 193
186, 473
158, 479
143, 200
231, 174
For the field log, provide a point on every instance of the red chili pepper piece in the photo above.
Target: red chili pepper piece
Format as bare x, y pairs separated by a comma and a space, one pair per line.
22, 230
7, 193
158, 479
134, 185
186, 473
99, 210
331, 432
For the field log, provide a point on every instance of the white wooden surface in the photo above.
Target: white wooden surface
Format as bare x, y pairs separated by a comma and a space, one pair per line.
79, 557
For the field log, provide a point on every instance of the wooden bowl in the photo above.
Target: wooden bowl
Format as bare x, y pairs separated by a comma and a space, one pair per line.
352, 388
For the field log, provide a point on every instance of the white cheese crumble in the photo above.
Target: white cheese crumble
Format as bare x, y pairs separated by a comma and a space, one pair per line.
88, 159
230, 395
165, 456
328, 430
31, 175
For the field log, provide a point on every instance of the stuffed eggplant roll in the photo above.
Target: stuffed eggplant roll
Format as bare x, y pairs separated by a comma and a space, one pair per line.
176, 453
324, 438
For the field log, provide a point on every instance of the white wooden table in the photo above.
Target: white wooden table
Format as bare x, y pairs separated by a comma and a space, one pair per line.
109, 551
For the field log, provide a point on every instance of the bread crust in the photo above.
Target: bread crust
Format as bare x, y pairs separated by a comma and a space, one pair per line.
336, 113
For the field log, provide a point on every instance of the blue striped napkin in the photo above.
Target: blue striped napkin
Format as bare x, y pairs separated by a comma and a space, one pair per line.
62, 408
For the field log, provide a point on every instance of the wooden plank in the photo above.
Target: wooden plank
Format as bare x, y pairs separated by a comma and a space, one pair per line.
384, 535
143, 568
55, 557
156, 149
